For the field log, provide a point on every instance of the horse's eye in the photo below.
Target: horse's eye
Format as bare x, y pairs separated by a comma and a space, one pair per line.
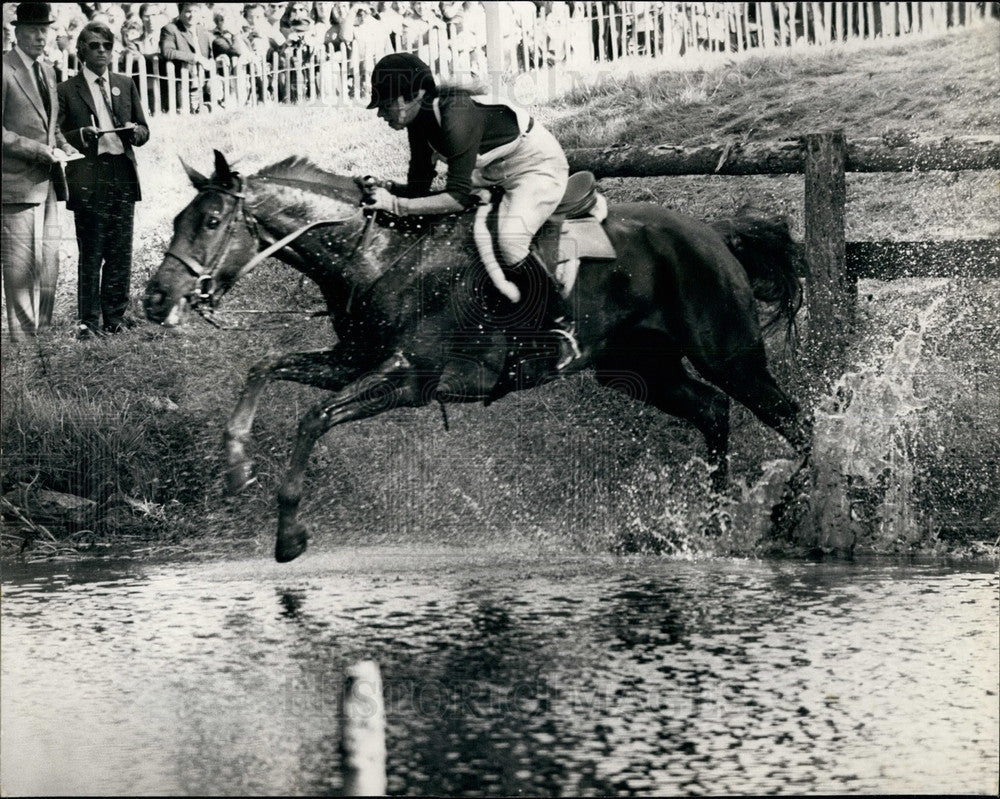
212, 223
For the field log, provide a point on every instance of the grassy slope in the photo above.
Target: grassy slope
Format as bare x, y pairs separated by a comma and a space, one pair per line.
942, 86
142, 415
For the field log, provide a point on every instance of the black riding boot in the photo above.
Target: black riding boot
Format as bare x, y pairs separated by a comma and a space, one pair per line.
554, 318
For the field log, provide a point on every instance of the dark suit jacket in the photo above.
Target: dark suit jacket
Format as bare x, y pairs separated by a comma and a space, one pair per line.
76, 111
27, 133
178, 45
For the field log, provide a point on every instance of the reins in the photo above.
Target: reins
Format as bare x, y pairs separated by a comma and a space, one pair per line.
205, 292
205, 296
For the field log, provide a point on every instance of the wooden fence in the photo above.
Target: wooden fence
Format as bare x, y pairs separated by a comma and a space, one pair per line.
676, 29
835, 265
573, 36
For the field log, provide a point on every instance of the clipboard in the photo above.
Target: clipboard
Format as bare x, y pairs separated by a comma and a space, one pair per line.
113, 130
73, 157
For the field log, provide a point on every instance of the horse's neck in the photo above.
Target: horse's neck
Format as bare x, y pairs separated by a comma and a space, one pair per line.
341, 259
327, 255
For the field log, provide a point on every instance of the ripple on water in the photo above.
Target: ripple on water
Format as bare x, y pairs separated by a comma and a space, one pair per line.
592, 679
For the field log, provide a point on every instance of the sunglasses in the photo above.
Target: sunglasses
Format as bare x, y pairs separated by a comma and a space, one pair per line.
100, 46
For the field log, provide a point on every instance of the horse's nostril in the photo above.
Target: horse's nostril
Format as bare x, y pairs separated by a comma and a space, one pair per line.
154, 306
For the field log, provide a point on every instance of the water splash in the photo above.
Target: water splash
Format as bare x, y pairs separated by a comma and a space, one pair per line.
672, 510
868, 431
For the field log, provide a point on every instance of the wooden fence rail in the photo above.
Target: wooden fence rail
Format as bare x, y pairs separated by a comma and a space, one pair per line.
789, 156
835, 265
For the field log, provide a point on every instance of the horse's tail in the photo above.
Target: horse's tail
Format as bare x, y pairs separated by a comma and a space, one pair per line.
764, 246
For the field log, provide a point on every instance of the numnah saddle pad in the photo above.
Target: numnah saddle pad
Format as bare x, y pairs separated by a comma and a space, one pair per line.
582, 238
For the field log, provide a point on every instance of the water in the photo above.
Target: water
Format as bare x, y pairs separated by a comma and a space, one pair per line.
503, 674
897, 434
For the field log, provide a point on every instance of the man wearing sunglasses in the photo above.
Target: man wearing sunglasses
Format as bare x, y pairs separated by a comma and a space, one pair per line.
101, 114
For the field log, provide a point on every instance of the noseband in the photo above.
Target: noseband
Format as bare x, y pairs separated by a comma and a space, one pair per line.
206, 293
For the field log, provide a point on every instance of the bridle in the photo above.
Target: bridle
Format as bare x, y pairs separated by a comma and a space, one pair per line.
206, 294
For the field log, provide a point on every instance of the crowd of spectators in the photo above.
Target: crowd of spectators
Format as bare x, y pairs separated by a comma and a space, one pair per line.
364, 31
532, 34
247, 29
200, 34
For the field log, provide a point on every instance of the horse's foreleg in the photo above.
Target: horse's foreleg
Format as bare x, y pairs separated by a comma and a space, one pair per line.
393, 385
320, 368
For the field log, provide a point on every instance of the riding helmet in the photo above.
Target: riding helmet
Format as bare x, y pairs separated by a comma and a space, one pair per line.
400, 74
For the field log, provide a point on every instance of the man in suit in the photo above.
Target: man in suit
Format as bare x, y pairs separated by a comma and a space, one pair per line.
101, 114
185, 42
33, 153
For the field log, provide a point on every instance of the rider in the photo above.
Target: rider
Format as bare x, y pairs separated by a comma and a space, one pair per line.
483, 144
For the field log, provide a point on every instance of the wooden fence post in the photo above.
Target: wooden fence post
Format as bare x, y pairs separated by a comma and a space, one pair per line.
362, 731
826, 524
830, 294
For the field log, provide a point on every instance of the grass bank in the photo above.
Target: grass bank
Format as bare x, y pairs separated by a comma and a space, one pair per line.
134, 424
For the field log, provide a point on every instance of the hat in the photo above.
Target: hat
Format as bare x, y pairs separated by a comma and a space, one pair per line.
34, 14
399, 74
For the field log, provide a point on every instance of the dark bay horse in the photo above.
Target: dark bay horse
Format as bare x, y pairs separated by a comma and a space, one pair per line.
409, 303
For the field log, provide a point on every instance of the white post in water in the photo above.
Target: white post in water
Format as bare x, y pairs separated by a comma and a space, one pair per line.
362, 731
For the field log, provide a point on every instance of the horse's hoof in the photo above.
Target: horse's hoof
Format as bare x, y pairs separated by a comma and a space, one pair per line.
240, 476
291, 543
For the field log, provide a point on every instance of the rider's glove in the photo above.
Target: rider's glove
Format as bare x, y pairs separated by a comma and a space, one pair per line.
380, 199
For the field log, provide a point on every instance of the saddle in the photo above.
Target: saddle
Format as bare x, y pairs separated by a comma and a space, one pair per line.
574, 231
579, 198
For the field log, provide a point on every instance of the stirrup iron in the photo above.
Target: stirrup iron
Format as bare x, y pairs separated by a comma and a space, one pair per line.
566, 334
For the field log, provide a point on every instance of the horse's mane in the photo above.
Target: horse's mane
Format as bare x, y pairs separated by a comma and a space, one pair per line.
304, 176
301, 173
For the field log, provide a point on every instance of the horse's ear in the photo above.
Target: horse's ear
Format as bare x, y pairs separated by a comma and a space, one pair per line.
223, 174
198, 179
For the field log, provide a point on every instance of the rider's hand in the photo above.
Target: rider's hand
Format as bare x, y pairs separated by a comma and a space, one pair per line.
380, 199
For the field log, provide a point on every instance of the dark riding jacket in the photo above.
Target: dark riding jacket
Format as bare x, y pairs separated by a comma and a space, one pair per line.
458, 129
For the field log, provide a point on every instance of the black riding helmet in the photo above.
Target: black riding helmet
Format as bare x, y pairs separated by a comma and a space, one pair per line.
400, 74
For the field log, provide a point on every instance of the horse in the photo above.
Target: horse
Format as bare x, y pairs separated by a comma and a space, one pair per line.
408, 301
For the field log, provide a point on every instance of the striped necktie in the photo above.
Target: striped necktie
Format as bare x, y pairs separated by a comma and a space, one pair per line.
107, 102
43, 88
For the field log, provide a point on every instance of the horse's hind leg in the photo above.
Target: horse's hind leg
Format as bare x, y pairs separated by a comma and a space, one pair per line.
392, 385
319, 368
647, 369
746, 378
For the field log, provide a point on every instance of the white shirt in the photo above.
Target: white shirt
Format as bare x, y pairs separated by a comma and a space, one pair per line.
109, 142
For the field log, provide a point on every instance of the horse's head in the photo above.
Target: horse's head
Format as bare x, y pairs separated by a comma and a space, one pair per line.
214, 237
